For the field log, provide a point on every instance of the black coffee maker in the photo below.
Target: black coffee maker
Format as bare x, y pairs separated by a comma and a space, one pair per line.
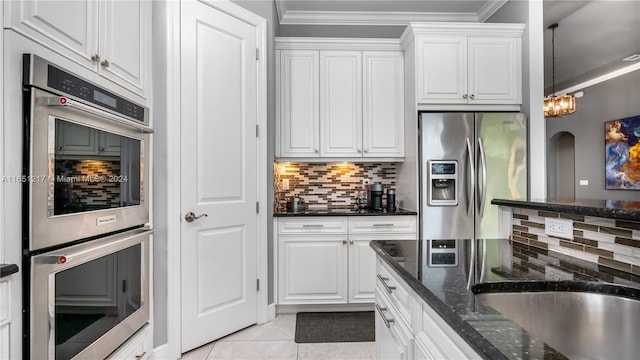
375, 197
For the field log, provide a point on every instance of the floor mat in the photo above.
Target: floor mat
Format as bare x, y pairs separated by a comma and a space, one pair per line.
321, 327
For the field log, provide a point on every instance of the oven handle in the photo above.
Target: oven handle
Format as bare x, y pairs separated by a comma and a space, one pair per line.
65, 101
66, 258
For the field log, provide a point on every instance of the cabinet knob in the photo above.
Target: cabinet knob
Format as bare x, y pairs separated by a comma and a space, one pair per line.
359, 151
315, 150
105, 63
344, 242
101, 148
472, 96
366, 150
95, 58
464, 96
59, 148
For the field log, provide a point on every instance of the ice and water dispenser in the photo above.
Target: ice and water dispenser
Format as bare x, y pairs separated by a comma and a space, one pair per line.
443, 178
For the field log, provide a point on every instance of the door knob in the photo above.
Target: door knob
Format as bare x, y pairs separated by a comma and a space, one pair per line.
191, 217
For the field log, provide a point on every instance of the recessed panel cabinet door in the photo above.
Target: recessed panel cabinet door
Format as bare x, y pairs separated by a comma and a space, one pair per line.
341, 103
442, 69
70, 26
125, 42
312, 269
383, 108
362, 264
494, 70
299, 103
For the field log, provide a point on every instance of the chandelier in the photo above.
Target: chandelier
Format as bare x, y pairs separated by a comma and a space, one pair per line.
556, 106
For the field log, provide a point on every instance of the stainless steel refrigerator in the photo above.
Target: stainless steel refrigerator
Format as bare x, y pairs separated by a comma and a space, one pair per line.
468, 159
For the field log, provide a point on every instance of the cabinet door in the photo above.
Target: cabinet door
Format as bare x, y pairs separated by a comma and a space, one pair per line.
125, 42
494, 70
299, 103
108, 144
341, 103
441, 69
362, 271
73, 139
68, 27
383, 104
312, 269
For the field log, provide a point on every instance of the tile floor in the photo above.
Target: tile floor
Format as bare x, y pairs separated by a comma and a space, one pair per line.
275, 340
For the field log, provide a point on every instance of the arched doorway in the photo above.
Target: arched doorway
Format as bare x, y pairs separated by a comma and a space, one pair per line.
561, 166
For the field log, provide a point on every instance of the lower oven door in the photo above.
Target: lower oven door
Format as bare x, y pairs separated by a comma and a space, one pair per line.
88, 299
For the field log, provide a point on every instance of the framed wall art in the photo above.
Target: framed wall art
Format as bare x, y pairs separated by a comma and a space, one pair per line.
622, 159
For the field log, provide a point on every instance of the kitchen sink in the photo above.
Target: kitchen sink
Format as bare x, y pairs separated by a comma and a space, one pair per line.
580, 325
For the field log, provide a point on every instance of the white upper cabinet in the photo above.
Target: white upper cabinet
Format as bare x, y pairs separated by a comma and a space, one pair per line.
299, 103
341, 103
476, 64
383, 104
110, 37
340, 99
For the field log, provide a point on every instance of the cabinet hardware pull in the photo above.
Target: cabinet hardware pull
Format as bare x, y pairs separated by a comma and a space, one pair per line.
141, 355
472, 96
95, 58
366, 150
315, 150
105, 63
59, 147
386, 320
386, 286
379, 225
101, 148
344, 242
464, 96
351, 242
359, 150
312, 225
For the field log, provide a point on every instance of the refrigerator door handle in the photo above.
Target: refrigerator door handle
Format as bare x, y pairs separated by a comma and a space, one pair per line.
471, 263
484, 260
483, 191
469, 189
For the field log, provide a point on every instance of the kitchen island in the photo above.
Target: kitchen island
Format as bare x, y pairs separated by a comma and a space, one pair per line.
509, 267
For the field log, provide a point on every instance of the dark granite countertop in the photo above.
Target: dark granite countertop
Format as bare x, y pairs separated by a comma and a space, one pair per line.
342, 212
487, 331
614, 209
8, 269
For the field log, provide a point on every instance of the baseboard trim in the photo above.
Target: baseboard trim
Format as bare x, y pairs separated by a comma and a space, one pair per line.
292, 309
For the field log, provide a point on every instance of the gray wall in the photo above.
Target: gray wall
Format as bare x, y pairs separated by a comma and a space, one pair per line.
267, 10
614, 99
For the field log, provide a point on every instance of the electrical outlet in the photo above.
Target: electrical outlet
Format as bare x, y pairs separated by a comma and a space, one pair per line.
366, 181
285, 184
562, 228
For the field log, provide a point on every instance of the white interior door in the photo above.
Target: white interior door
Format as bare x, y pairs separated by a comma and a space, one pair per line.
219, 160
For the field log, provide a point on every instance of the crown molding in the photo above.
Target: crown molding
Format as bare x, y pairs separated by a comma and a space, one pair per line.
398, 18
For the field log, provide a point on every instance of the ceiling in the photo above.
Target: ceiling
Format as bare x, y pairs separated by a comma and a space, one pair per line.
592, 38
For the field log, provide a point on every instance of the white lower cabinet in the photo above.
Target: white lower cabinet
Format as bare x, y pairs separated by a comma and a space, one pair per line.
5, 319
394, 340
138, 347
429, 337
328, 260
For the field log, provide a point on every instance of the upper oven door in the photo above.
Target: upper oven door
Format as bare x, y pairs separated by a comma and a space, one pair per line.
86, 174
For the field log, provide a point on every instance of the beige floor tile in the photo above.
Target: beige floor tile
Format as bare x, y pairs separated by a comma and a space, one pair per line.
283, 327
200, 353
337, 351
252, 350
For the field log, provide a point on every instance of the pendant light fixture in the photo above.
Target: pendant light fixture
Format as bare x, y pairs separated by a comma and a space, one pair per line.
556, 106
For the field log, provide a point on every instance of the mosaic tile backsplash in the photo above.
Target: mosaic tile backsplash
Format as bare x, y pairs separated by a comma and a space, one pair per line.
88, 194
333, 185
610, 243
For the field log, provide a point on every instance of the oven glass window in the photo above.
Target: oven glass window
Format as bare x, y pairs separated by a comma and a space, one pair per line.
93, 170
92, 298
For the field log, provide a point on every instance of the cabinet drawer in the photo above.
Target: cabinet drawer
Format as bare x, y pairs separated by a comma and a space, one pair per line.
398, 292
306, 225
394, 224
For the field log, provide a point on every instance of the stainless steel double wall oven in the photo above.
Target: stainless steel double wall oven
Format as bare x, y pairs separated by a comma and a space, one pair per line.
86, 235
